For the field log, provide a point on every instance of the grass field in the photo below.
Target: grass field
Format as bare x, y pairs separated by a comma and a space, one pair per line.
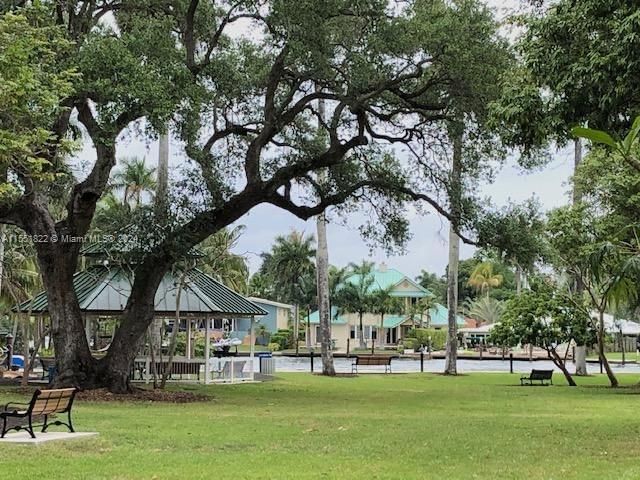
616, 356
371, 427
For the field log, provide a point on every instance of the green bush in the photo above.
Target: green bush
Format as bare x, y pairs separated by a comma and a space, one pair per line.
421, 336
284, 338
181, 344
274, 347
411, 343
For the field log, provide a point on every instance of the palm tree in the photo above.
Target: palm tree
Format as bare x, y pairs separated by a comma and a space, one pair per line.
485, 310
20, 278
134, 179
221, 263
356, 295
111, 214
484, 279
421, 308
384, 303
290, 261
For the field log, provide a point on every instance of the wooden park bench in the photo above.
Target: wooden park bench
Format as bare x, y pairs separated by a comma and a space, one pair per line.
372, 360
43, 404
538, 376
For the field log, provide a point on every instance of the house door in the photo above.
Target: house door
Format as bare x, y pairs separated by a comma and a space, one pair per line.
391, 336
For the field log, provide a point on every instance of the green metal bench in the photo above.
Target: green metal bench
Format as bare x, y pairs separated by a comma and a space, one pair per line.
541, 376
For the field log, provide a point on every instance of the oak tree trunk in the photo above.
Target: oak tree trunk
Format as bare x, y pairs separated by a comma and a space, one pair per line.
74, 363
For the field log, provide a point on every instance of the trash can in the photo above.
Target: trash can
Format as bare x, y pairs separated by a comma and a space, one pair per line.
267, 363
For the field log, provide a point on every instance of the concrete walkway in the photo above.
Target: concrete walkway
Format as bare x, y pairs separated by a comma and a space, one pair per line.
24, 437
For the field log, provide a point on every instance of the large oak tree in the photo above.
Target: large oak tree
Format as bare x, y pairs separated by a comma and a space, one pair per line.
239, 81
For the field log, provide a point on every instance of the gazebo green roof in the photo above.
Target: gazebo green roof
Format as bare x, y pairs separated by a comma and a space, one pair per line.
105, 290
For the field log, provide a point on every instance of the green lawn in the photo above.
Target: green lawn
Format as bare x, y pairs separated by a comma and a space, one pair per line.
616, 356
371, 427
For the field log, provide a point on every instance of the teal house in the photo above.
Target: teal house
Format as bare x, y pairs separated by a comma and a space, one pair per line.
387, 330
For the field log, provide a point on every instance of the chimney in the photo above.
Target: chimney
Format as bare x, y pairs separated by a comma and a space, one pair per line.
383, 267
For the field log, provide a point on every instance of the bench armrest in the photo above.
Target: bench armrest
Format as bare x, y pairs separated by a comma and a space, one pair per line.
7, 407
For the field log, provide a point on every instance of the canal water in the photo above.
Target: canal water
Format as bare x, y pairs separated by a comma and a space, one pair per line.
409, 365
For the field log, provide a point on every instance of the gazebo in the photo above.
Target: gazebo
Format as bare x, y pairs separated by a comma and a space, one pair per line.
206, 304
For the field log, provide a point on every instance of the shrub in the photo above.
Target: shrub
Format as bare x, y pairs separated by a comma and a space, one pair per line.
274, 347
284, 338
411, 343
421, 336
198, 345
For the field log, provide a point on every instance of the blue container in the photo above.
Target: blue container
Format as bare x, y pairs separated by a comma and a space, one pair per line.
17, 361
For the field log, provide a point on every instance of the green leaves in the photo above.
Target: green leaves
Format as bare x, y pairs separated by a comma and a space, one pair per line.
631, 137
596, 136
33, 82
624, 147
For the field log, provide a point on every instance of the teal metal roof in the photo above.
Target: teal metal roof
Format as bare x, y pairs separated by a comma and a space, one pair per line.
224, 299
314, 317
392, 321
126, 242
389, 278
438, 315
103, 289
84, 283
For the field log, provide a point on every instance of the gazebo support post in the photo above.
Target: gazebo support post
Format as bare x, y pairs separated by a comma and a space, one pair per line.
252, 347
188, 352
87, 329
207, 349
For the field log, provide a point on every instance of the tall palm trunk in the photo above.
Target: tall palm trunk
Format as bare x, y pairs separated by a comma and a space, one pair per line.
361, 332
161, 203
322, 282
451, 354
580, 355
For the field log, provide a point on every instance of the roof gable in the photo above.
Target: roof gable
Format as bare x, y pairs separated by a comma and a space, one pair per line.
102, 289
394, 280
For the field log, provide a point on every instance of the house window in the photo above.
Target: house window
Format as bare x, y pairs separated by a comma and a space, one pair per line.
370, 332
352, 332
226, 324
317, 333
414, 300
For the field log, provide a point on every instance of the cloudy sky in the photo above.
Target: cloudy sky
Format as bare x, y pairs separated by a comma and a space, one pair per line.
427, 249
